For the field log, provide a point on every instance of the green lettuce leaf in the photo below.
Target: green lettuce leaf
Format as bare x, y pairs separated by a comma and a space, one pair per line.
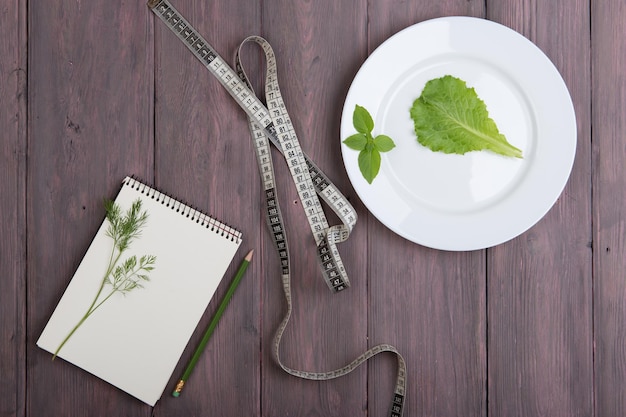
449, 117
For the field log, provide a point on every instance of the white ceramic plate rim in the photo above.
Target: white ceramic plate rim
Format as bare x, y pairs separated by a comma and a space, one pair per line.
471, 45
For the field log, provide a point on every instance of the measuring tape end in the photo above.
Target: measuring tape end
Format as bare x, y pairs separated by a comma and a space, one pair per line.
152, 3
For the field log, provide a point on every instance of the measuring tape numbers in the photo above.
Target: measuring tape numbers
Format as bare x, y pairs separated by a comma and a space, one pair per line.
271, 123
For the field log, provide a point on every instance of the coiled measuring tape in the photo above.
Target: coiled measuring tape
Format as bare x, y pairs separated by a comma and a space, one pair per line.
271, 123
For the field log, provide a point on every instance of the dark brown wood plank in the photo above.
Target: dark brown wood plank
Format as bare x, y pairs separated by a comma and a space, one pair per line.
609, 204
539, 291
12, 207
204, 155
319, 46
430, 304
91, 118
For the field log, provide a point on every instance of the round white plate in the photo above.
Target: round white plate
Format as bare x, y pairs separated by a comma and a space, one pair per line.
480, 199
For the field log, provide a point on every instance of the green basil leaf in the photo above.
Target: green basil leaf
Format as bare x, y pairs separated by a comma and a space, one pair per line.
362, 120
369, 163
383, 143
356, 142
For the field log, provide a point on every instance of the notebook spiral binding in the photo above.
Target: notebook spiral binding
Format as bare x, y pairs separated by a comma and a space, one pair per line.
184, 209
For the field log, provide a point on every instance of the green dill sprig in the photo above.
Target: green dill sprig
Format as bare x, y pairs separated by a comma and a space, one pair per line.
124, 229
130, 274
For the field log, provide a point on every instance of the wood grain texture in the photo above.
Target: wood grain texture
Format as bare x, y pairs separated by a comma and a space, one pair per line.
12, 207
204, 155
429, 304
90, 99
539, 292
319, 46
609, 205
93, 91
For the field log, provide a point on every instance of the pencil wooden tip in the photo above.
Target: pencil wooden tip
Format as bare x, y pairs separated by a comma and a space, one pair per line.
249, 256
178, 389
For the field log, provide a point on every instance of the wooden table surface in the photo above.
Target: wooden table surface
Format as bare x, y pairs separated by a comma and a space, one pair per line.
92, 91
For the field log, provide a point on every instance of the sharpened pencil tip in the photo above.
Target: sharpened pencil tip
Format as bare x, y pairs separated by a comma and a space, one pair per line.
179, 388
249, 256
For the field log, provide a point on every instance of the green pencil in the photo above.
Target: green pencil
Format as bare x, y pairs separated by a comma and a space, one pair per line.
213, 324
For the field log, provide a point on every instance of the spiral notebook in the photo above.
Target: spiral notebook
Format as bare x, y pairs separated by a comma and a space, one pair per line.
134, 340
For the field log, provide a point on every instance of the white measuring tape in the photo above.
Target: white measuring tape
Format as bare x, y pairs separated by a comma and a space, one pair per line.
272, 123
